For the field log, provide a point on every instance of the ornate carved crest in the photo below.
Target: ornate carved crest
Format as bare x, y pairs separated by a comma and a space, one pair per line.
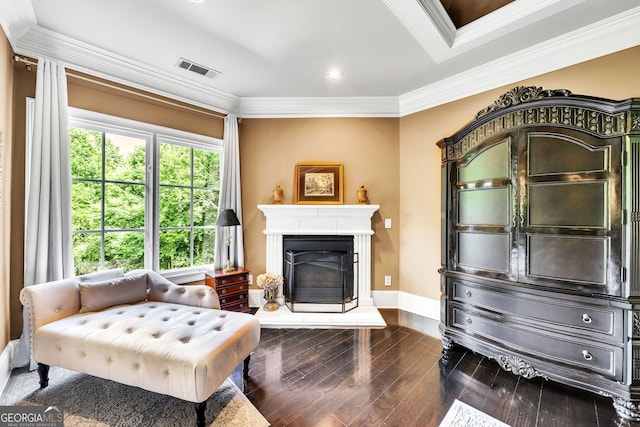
519, 367
520, 95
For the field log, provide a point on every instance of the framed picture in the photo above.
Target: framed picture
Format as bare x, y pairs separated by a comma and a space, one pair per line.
319, 183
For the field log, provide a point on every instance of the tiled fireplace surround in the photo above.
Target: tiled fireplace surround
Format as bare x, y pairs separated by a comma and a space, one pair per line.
331, 220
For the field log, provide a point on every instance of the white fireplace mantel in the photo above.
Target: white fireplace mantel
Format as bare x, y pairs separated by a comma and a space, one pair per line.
353, 220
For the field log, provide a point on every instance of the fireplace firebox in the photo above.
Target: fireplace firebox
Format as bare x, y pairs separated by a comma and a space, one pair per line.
320, 273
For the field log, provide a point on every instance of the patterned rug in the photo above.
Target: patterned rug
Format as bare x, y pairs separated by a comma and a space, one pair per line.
90, 401
460, 414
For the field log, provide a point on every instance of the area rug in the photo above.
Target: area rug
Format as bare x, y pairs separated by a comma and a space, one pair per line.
460, 414
93, 402
360, 317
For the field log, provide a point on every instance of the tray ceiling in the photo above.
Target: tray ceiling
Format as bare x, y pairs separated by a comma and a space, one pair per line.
269, 59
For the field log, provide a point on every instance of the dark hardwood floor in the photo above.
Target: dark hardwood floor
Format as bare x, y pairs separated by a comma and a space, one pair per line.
394, 377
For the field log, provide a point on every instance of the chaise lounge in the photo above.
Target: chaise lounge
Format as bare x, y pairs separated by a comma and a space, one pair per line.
141, 330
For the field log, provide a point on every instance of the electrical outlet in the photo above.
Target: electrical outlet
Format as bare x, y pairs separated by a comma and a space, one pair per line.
387, 280
251, 279
387, 223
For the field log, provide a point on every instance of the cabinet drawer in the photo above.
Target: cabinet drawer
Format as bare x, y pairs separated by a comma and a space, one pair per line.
585, 319
233, 289
222, 281
242, 306
232, 298
598, 358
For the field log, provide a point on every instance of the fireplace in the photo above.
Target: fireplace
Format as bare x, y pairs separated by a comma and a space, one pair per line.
353, 221
319, 273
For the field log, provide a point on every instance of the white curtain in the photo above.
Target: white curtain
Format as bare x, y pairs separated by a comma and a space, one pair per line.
47, 247
230, 196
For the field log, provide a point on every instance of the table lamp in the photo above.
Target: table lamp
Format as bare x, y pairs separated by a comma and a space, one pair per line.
227, 218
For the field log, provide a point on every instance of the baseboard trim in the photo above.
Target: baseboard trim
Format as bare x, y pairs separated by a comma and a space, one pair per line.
412, 303
5, 363
400, 300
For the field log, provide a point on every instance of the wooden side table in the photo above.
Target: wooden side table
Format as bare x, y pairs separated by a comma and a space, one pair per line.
232, 288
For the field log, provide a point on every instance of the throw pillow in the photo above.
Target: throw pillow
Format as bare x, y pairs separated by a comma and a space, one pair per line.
123, 290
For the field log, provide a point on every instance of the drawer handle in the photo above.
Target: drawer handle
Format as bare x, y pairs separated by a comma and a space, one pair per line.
467, 293
224, 291
224, 281
468, 320
241, 287
223, 301
587, 355
241, 296
586, 318
241, 306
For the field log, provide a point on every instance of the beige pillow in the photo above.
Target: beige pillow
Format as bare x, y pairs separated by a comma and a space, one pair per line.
123, 290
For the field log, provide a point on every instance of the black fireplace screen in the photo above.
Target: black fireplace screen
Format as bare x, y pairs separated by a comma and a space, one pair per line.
319, 277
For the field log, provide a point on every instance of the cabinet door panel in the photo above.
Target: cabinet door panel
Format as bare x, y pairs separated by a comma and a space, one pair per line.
568, 204
484, 206
485, 251
551, 153
578, 259
482, 210
490, 164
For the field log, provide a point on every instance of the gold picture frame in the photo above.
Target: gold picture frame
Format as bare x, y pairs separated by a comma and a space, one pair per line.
319, 183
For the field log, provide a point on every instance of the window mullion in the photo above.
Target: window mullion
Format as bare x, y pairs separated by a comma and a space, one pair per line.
152, 215
103, 201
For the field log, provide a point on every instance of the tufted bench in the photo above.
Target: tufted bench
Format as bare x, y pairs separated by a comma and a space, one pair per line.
141, 330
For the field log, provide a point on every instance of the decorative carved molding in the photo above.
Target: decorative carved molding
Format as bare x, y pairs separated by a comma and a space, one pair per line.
636, 324
447, 343
520, 95
627, 409
635, 120
519, 367
594, 122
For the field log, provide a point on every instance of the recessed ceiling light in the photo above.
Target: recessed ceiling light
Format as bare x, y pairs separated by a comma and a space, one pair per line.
335, 75
197, 1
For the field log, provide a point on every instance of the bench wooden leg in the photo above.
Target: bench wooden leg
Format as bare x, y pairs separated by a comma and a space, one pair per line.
43, 372
200, 410
245, 370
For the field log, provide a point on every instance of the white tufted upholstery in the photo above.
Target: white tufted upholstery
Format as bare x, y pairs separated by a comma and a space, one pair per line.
173, 344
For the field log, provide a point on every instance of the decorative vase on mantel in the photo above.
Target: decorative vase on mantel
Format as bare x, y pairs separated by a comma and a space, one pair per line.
271, 304
362, 195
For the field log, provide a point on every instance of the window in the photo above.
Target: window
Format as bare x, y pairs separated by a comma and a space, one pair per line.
142, 196
107, 200
188, 192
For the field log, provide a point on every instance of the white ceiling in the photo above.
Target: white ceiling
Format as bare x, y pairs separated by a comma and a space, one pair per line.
398, 56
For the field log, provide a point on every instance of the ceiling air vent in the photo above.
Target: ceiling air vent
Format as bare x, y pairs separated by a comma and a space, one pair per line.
197, 68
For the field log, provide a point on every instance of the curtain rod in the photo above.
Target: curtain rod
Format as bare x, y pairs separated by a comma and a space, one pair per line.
29, 62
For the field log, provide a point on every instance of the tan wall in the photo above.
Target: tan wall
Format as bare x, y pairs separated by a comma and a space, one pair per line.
614, 76
117, 100
6, 99
369, 148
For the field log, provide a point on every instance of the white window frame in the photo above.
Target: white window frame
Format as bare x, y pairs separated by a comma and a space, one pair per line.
152, 134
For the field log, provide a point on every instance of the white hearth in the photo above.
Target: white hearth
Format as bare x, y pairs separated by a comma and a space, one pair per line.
330, 220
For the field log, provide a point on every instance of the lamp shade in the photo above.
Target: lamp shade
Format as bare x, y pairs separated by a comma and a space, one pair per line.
227, 218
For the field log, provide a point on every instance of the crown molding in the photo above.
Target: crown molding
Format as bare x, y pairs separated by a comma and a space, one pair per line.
432, 32
364, 106
79, 56
429, 24
502, 21
601, 38
16, 18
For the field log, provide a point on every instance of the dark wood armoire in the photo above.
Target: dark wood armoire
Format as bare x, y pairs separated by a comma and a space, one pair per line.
541, 240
